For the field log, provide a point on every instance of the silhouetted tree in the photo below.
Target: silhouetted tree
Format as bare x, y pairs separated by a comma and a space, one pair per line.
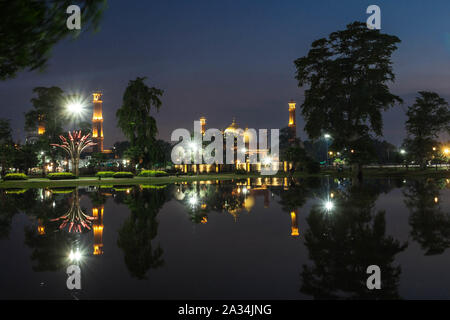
347, 74
427, 117
135, 120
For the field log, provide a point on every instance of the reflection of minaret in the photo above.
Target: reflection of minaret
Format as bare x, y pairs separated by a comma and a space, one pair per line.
203, 124
97, 212
292, 126
41, 227
294, 226
97, 122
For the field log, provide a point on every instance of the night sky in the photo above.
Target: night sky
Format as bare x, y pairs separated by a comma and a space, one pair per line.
225, 59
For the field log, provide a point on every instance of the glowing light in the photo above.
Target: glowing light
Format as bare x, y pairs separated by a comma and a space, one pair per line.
75, 105
193, 146
402, 151
267, 160
244, 190
436, 199
193, 200
446, 151
327, 136
75, 256
329, 205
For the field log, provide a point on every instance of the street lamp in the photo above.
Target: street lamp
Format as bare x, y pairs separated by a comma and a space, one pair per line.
75, 106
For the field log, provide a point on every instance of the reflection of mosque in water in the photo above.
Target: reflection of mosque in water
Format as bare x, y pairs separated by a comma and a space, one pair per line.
199, 198
235, 197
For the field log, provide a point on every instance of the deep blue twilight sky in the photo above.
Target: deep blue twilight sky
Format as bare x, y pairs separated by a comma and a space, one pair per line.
231, 58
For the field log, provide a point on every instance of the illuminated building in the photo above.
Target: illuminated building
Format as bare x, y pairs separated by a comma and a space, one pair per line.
97, 122
246, 136
97, 228
203, 124
292, 125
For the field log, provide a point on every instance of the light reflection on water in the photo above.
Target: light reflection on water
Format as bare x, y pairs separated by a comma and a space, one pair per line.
261, 238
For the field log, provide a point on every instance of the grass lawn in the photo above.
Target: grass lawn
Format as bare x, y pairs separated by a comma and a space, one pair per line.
93, 181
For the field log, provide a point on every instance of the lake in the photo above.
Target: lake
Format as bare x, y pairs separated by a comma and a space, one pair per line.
265, 238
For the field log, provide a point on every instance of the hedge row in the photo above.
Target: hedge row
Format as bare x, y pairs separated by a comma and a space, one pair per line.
15, 176
123, 174
152, 173
105, 174
61, 176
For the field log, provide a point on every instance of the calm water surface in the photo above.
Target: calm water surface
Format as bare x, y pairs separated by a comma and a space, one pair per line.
245, 239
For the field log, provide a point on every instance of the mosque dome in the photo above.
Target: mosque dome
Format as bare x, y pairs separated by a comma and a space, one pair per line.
232, 127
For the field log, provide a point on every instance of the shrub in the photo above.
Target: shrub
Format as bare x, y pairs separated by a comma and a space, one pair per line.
61, 176
152, 173
105, 174
15, 176
123, 174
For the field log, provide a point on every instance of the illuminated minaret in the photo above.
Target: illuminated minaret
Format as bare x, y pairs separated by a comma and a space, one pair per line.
97, 212
294, 226
292, 126
203, 124
97, 122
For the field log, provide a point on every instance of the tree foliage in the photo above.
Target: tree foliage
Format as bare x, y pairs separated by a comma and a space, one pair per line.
347, 76
135, 120
6, 145
427, 117
29, 29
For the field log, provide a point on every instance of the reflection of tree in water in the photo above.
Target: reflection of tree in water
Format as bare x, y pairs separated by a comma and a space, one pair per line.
10, 203
140, 228
342, 243
430, 226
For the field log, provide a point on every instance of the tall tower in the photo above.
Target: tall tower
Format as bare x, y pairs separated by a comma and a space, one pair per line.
292, 126
203, 124
97, 122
